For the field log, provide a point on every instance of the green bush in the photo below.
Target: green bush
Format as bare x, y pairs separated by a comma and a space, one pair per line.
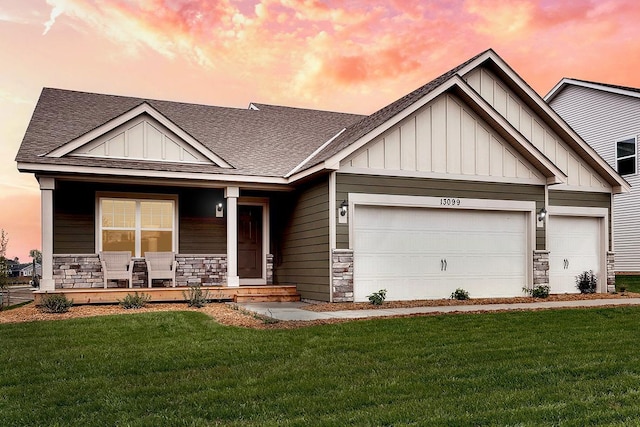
56, 303
586, 282
538, 291
196, 297
135, 301
460, 294
377, 298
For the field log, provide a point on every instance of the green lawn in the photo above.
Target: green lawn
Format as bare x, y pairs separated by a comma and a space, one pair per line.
631, 283
573, 367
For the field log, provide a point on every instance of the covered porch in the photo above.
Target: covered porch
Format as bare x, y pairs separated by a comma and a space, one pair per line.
220, 238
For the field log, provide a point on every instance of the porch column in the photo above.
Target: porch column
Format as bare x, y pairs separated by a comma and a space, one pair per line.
232, 194
47, 185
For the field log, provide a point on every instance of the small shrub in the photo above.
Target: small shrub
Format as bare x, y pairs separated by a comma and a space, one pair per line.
56, 303
586, 282
538, 291
377, 298
460, 294
196, 297
135, 301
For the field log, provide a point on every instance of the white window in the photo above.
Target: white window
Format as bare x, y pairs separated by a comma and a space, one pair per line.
626, 156
136, 225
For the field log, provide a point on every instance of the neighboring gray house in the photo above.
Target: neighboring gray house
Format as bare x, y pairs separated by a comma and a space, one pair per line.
470, 181
607, 117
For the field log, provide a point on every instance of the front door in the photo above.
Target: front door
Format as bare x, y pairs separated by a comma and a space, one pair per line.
250, 242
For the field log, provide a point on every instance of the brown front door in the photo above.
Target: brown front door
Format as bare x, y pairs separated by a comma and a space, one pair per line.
249, 242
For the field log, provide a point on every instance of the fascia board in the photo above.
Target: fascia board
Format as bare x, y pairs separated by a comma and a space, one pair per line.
128, 116
312, 155
92, 170
590, 85
344, 153
602, 167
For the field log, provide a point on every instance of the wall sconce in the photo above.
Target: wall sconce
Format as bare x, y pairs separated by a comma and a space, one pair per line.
344, 208
542, 215
219, 210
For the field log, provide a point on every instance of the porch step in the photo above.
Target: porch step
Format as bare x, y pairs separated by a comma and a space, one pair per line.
267, 298
266, 294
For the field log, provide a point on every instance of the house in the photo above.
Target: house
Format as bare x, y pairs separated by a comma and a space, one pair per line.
26, 270
607, 117
470, 181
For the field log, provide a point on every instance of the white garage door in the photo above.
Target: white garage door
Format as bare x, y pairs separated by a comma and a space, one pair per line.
421, 253
574, 247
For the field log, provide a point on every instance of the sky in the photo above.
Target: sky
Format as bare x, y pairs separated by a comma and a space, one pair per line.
344, 55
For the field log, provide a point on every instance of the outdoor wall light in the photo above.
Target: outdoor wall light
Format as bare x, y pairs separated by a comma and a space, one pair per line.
343, 208
542, 214
219, 211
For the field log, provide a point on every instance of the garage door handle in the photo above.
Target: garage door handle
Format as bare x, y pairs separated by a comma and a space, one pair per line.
441, 265
445, 265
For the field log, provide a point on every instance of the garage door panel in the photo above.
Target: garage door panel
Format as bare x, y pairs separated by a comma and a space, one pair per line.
421, 253
574, 247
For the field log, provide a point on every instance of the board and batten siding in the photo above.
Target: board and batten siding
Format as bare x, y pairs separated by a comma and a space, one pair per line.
445, 137
511, 107
601, 118
583, 199
302, 233
354, 183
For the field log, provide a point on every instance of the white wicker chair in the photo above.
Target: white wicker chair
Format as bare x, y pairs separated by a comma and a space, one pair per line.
161, 265
117, 265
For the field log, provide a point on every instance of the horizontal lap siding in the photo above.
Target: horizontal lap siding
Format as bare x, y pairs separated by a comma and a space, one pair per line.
584, 200
302, 234
74, 217
352, 183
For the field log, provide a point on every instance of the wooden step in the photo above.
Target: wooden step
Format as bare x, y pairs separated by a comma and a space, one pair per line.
267, 298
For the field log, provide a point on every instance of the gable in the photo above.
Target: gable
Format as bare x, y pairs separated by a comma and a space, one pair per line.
141, 133
444, 137
534, 129
142, 138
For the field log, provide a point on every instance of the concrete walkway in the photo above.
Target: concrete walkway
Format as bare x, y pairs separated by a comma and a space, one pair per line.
295, 311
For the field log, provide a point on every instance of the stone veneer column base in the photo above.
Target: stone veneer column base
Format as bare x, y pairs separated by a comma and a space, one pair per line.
342, 267
611, 272
540, 268
269, 269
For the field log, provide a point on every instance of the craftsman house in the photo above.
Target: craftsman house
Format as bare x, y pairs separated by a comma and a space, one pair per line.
607, 117
470, 181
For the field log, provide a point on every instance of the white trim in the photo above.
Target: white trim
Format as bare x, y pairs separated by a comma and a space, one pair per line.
527, 207
137, 197
401, 115
549, 169
128, 116
47, 185
312, 155
307, 172
332, 228
533, 96
231, 194
603, 215
264, 203
567, 187
35, 167
591, 85
437, 175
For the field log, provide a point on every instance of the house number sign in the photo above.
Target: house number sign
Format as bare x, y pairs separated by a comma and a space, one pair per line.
449, 201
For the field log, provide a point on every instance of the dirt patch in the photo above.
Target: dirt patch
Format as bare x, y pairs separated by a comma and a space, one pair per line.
340, 306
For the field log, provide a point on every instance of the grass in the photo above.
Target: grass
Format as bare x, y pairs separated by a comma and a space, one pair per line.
632, 283
573, 367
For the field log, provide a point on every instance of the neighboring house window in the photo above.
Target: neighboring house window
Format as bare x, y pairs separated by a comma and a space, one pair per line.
137, 225
626, 156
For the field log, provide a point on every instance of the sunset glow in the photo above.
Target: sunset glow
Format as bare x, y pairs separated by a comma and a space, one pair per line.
354, 56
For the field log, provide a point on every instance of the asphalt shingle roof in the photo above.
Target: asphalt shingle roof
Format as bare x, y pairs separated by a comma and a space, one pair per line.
270, 141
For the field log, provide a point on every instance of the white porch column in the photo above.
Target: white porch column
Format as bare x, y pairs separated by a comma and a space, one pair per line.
232, 194
47, 185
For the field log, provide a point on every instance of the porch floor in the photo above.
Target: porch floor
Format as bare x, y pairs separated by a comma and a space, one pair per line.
257, 293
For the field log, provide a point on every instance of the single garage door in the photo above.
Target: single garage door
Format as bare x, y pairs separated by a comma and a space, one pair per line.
574, 247
422, 253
